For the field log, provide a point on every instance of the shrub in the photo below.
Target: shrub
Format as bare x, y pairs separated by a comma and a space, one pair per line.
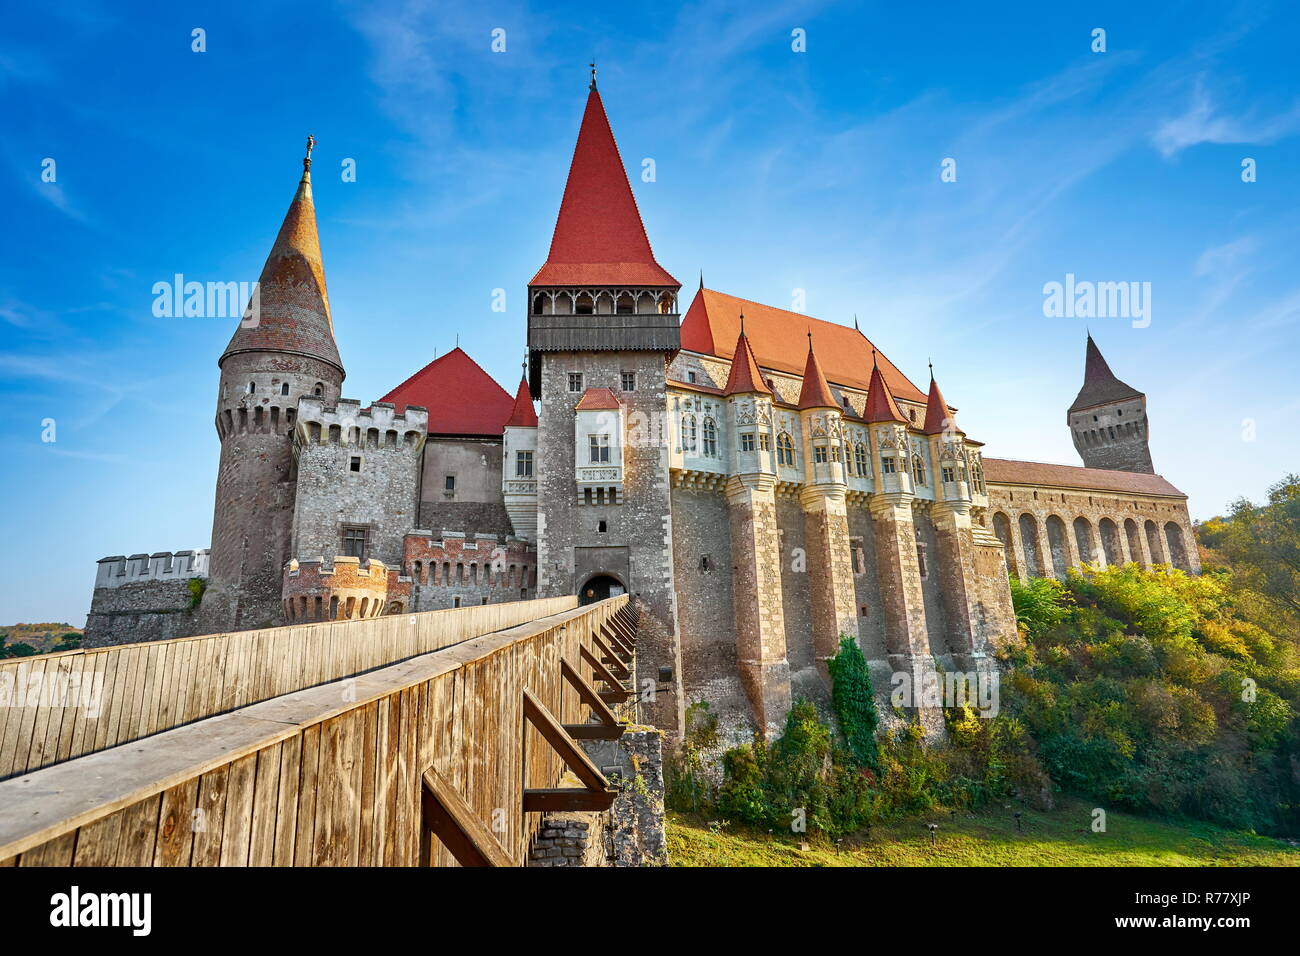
854, 701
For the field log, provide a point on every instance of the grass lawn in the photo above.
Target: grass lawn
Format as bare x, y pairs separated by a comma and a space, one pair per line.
1061, 837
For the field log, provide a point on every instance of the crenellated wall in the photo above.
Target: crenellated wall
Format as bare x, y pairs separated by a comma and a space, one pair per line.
452, 569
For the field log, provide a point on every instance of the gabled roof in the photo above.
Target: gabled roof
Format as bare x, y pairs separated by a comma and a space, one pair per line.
599, 238
815, 392
462, 399
881, 406
598, 399
293, 304
939, 417
1005, 471
745, 375
1100, 386
712, 323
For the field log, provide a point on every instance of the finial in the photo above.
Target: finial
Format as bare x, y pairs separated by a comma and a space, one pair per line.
593, 76
931, 364
742, 320
306, 160
810, 340
855, 323
873, 358
701, 280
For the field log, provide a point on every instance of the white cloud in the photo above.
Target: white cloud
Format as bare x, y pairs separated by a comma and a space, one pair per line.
1204, 123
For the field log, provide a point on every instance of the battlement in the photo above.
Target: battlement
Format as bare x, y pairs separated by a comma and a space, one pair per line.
343, 588
348, 423
456, 559
118, 569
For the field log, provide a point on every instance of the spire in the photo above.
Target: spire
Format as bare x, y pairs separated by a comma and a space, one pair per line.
938, 417
745, 375
881, 406
599, 238
523, 415
293, 313
592, 87
1100, 386
815, 392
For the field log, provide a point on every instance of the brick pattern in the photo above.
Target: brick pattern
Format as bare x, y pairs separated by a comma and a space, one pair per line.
457, 570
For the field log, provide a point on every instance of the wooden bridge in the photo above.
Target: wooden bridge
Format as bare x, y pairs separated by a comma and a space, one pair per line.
421, 739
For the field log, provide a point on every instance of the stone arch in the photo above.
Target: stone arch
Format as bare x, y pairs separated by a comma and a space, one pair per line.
1153, 543
1029, 543
1002, 528
600, 586
1134, 541
1177, 549
1086, 543
1110, 543
1059, 545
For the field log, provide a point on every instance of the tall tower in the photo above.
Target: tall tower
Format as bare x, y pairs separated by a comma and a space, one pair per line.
1108, 419
282, 350
602, 326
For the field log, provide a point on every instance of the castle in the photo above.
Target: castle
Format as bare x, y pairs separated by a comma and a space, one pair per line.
763, 481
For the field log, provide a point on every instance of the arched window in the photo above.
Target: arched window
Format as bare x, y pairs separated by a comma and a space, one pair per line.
710, 437
785, 450
689, 433
252, 387
319, 390
860, 460
284, 388
918, 470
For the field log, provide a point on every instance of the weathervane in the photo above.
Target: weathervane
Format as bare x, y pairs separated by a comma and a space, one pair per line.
593, 75
306, 160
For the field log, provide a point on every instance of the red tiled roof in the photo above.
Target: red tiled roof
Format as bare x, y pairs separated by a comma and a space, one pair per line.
744, 375
881, 406
294, 306
1005, 471
595, 399
815, 392
599, 238
713, 321
523, 415
939, 417
1100, 386
462, 399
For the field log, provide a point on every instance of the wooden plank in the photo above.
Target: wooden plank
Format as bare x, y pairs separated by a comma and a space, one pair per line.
266, 805
57, 852
609, 658
209, 821
553, 733
176, 819
286, 818
368, 768
386, 742
327, 785
447, 816
305, 839
237, 818
97, 842
616, 693
567, 799
139, 837
608, 727
14, 758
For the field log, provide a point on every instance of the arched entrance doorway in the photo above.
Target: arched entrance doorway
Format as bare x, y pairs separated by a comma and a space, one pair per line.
598, 587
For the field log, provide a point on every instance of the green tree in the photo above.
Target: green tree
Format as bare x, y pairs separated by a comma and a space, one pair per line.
854, 700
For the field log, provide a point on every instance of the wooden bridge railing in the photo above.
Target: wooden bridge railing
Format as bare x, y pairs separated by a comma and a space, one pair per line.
442, 758
58, 706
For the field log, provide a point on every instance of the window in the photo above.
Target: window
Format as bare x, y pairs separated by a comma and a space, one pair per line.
690, 377
455, 602
921, 562
284, 388
688, 433
354, 542
319, 390
354, 463
860, 460
252, 387
820, 456
887, 464
629, 381
523, 464
949, 473
449, 483
747, 441
598, 445
765, 441
918, 470
784, 450
601, 527
575, 381
710, 438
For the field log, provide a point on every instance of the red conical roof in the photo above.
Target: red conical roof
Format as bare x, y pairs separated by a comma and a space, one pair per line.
293, 304
938, 417
745, 375
462, 399
881, 406
599, 237
523, 415
815, 392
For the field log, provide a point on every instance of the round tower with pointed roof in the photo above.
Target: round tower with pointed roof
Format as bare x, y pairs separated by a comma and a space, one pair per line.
1108, 419
283, 350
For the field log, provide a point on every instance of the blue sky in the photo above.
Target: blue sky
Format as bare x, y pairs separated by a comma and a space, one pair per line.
776, 170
